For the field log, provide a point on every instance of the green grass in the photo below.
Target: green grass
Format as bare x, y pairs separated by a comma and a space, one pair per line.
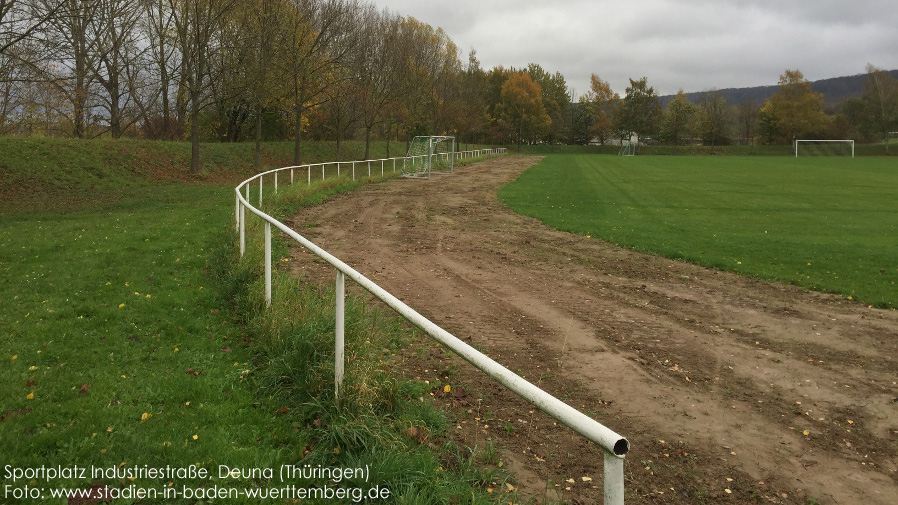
826, 224
131, 335
116, 350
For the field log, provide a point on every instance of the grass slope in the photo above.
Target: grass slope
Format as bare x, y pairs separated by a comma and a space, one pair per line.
821, 223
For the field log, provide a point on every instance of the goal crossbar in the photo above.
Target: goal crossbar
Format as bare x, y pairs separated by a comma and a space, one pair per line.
847, 141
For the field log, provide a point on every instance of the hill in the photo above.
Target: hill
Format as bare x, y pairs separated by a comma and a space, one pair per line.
835, 90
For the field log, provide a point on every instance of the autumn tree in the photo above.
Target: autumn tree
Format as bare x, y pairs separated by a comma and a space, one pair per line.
600, 102
713, 118
880, 99
677, 119
639, 112
521, 108
748, 121
555, 99
796, 109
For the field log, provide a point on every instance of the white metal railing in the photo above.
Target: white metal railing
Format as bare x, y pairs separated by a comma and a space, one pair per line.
613, 445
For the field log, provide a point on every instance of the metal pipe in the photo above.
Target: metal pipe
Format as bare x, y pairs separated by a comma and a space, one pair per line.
275, 183
614, 479
260, 191
567, 415
267, 264
242, 229
339, 334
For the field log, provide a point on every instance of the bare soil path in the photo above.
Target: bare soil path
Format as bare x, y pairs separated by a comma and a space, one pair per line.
730, 389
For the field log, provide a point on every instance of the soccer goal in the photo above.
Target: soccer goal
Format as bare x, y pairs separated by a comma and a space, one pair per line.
429, 155
627, 149
824, 148
628, 146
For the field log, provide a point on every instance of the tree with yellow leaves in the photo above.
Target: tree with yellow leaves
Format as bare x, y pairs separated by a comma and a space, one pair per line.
521, 108
796, 109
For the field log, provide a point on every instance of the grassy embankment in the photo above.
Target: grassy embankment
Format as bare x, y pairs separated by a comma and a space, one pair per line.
133, 335
825, 224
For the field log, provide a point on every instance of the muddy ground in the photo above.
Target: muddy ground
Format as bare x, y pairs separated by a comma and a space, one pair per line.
729, 389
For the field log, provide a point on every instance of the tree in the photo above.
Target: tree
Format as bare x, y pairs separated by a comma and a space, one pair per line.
639, 112
117, 59
555, 99
600, 103
521, 108
880, 100
677, 119
714, 118
795, 107
197, 24
74, 44
748, 121
321, 37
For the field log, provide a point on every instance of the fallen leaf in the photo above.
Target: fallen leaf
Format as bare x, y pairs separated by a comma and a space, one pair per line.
226, 349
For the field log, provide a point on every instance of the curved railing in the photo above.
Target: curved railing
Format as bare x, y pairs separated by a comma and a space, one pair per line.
614, 446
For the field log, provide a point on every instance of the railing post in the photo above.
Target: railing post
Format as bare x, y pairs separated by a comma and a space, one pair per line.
614, 479
338, 169
260, 190
338, 340
322, 170
382, 167
394, 164
267, 264
275, 183
353, 170
242, 230
237, 211
291, 176
369, 169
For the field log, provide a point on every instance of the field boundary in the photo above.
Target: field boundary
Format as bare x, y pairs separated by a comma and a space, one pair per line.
614, 446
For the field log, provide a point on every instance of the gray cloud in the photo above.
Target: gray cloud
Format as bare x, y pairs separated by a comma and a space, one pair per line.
689, 44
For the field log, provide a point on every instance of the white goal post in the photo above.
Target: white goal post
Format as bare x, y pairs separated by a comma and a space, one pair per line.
815, 141
429, 155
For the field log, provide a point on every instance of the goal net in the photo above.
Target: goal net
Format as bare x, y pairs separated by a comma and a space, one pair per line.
824, 148
628, 146
429, 155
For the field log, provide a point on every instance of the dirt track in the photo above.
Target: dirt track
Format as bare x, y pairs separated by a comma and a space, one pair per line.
713, 377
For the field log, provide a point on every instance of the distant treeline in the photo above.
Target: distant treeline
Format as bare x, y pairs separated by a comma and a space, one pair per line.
337, 70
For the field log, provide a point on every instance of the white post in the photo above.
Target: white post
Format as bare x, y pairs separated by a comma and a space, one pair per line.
291, 176
242, 230
322, 170
267, 264
381, 168
369, 168
275, 183
338, 341
353, 170
260, 190
614, 479
237, 212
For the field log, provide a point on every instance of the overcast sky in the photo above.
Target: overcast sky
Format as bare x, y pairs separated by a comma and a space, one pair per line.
690, 44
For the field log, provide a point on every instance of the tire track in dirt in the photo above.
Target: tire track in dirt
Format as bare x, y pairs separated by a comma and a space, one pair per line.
711, 375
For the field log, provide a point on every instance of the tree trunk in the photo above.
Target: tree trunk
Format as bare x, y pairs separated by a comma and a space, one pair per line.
367, 142
194, 132
257, 152
297, 138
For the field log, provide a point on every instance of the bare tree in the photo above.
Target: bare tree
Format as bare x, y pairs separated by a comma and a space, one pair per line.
117, 53
197, 24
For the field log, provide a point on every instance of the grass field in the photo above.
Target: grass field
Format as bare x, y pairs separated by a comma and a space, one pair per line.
826, 224
132, 335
